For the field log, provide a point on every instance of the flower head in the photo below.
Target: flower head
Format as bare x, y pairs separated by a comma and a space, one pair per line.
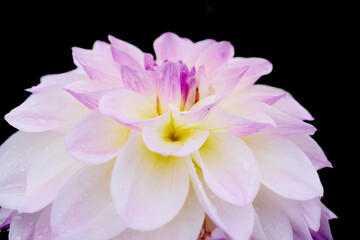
186, 146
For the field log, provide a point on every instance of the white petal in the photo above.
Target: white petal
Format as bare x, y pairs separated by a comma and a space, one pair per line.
84, 206
284, 168
17, 154
148, 189
229, 167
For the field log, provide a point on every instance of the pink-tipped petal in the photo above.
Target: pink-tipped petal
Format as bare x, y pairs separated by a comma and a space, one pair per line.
47, 174
85, 205
141, 81
96, 138
284, 168
44, 111
229, 168
324, 232
220, 120
148, 189
168, 85
171, 47
17, 154
312, 213
185, 226
257, 67
5, 217
163, 137
128, 107
312, 150
132, 51
90, 92
225, 215
122, 57
215, 56
286, 104
98, 65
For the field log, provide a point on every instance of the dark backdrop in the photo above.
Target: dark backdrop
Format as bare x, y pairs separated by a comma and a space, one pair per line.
305, 43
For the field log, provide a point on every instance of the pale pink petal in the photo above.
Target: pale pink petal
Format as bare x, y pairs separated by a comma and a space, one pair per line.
23, 226
128, 107
312, 213
98, 65
17, 154
284, 168
257, 67
148, 189
90, 92
58, 81
225, 215
48, 110
164, 137
274, 222
215, 56
196, 50
168, 85
5, 217
141, 81
324, 232
185, 226
42, 228
96, 138
85, 205
122, 57
220, 120
47, 174
149, 62
171, 47
286, 104
132, 51
258, 232
312, 150
229, 168
101, 46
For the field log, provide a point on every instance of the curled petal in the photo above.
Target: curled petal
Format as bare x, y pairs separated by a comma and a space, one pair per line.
284, 168
96, 138
148, 189
229, 168
162, 136
5, 217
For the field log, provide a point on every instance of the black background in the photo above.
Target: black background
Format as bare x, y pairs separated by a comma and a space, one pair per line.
307, 44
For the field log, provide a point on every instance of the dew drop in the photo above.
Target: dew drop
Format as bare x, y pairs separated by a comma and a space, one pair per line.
21, 168
31, 223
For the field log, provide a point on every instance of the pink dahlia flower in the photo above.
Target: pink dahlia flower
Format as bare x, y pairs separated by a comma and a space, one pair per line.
181, 147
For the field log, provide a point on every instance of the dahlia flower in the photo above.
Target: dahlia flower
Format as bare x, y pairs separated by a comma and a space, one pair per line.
186, 146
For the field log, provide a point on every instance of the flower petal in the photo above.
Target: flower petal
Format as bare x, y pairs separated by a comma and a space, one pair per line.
132, 51
185, 226
229, 168
148, 189
168, 85
5, 217
122, 57
23, 226
85, 205
324, 232
286, 104
48, 110
96, 138
312, 150
171, 47
128, 107
284, 168
226, 216
98, 65
312, 213
47, 174
163, 137
17, 154
215, 56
